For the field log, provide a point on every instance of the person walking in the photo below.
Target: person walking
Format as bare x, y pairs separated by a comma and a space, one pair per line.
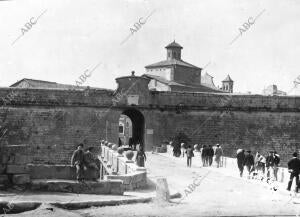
218, 155
261, 164
140, 157
203, 155
270, 164
183, 148
130, 142
77, 160
276, 165
240, 160
249, 162
120, 142
189, 154
210, 155
294, 169
135, 142
176, 150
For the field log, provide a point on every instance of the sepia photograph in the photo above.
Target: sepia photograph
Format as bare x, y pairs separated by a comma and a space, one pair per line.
149, 108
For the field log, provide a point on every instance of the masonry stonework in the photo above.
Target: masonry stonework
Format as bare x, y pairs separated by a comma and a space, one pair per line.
45, 125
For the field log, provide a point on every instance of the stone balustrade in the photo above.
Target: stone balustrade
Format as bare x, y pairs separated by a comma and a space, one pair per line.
118, 167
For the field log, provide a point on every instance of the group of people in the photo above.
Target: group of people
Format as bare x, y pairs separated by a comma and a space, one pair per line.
132, 143
259, 164
206, 152
255, 165
83, 159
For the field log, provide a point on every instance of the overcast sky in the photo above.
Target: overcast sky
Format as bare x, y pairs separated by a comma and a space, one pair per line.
75, 35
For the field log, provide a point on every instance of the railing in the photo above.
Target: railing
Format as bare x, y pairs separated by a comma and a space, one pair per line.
116, 166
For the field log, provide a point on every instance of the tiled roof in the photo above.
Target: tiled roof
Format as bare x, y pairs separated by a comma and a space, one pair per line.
228, 78
174, 44
195, 88
162, 80
171, 62
32, 83
207, 80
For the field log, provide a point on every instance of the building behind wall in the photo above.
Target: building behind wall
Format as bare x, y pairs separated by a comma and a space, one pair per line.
175, 74
272, 90
227, 84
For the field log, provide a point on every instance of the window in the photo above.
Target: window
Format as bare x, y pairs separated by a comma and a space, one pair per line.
121, 129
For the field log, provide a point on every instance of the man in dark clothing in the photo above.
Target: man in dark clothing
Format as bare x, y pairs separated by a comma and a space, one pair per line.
130, 142
210, 155
135, 142
276, 164
249, 162
270, 163
189, 154
90, 160
77, 160
140, 157
294, 169
218, 154
240, 160
120, 142
204, 155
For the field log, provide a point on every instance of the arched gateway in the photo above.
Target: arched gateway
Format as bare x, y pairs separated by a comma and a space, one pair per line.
132, 130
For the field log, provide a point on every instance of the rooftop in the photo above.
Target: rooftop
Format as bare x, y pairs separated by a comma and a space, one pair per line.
228, 79
32, 83
174, 44
200, 87
171, 62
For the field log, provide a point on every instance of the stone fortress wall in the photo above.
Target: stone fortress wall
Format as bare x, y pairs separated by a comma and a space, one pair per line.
45, 125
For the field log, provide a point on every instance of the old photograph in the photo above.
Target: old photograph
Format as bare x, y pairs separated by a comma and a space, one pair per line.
149, 108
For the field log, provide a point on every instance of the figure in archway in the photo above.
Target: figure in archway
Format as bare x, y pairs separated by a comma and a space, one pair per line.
140, 157
130, 142
120, 142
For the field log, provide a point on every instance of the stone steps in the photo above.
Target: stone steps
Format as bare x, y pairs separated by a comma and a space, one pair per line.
113, 187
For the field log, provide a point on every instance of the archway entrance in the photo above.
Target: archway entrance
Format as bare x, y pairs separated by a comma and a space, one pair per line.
131, 127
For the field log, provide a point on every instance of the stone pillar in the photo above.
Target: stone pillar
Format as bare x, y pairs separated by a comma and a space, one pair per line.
162, 190
100, 171
117, 169
282, 175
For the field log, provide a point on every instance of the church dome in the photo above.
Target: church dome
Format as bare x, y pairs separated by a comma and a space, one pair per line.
174, 45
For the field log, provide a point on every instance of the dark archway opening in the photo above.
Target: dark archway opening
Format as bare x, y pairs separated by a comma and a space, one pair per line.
137, 125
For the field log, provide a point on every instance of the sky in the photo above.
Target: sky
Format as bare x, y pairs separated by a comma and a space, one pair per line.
72, 36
